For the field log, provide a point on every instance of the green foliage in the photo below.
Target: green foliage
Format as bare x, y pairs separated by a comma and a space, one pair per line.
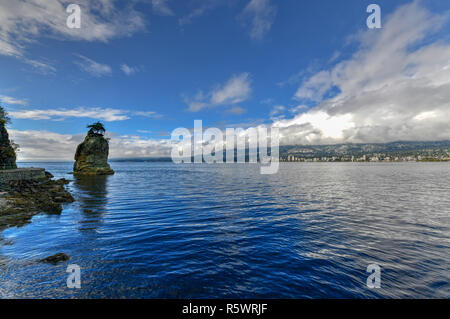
7, 148
4, 118
7, 158
96, 128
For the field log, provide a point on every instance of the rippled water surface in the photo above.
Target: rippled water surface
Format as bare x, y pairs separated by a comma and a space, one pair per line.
160, 230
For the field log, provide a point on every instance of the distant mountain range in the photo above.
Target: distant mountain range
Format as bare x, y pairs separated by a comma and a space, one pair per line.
397, 148
350, 149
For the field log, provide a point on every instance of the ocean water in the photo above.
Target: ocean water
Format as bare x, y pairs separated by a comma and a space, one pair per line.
160, 230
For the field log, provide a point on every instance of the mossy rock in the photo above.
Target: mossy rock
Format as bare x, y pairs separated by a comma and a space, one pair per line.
91, 157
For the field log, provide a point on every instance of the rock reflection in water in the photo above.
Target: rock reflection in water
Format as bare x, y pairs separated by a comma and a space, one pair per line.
92, 198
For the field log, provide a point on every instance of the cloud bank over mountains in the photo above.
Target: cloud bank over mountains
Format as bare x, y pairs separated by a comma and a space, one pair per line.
396, 86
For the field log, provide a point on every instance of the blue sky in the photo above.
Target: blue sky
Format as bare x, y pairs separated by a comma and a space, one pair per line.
148, 67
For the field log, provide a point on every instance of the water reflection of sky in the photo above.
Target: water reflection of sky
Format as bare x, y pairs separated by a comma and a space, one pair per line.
161, 230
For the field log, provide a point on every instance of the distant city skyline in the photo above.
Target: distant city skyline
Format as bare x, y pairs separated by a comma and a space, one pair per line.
144, 68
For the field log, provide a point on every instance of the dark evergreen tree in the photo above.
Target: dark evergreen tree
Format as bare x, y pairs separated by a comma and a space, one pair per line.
7, 148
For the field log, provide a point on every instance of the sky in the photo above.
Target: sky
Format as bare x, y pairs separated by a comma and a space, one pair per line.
146, 67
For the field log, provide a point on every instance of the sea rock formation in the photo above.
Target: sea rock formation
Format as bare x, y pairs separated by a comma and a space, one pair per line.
91, 157
7, 153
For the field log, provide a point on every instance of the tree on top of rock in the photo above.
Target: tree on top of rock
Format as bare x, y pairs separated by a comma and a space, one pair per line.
91, 156
96, 129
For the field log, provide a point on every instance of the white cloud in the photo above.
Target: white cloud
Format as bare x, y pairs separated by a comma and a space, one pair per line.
395, 87
45, 145
277, 111
206, 5
187, 19
149, 114
129, 70
41, 66
12, 100
237, 110
92, 67
24, 22
161, 7
426, 115
258, 16
267, 101
139, 147
236, 90
196, 106
315, 87
107, 114
298, 109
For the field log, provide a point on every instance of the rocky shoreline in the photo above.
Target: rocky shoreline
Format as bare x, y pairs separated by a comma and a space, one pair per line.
26, 192
21, 200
